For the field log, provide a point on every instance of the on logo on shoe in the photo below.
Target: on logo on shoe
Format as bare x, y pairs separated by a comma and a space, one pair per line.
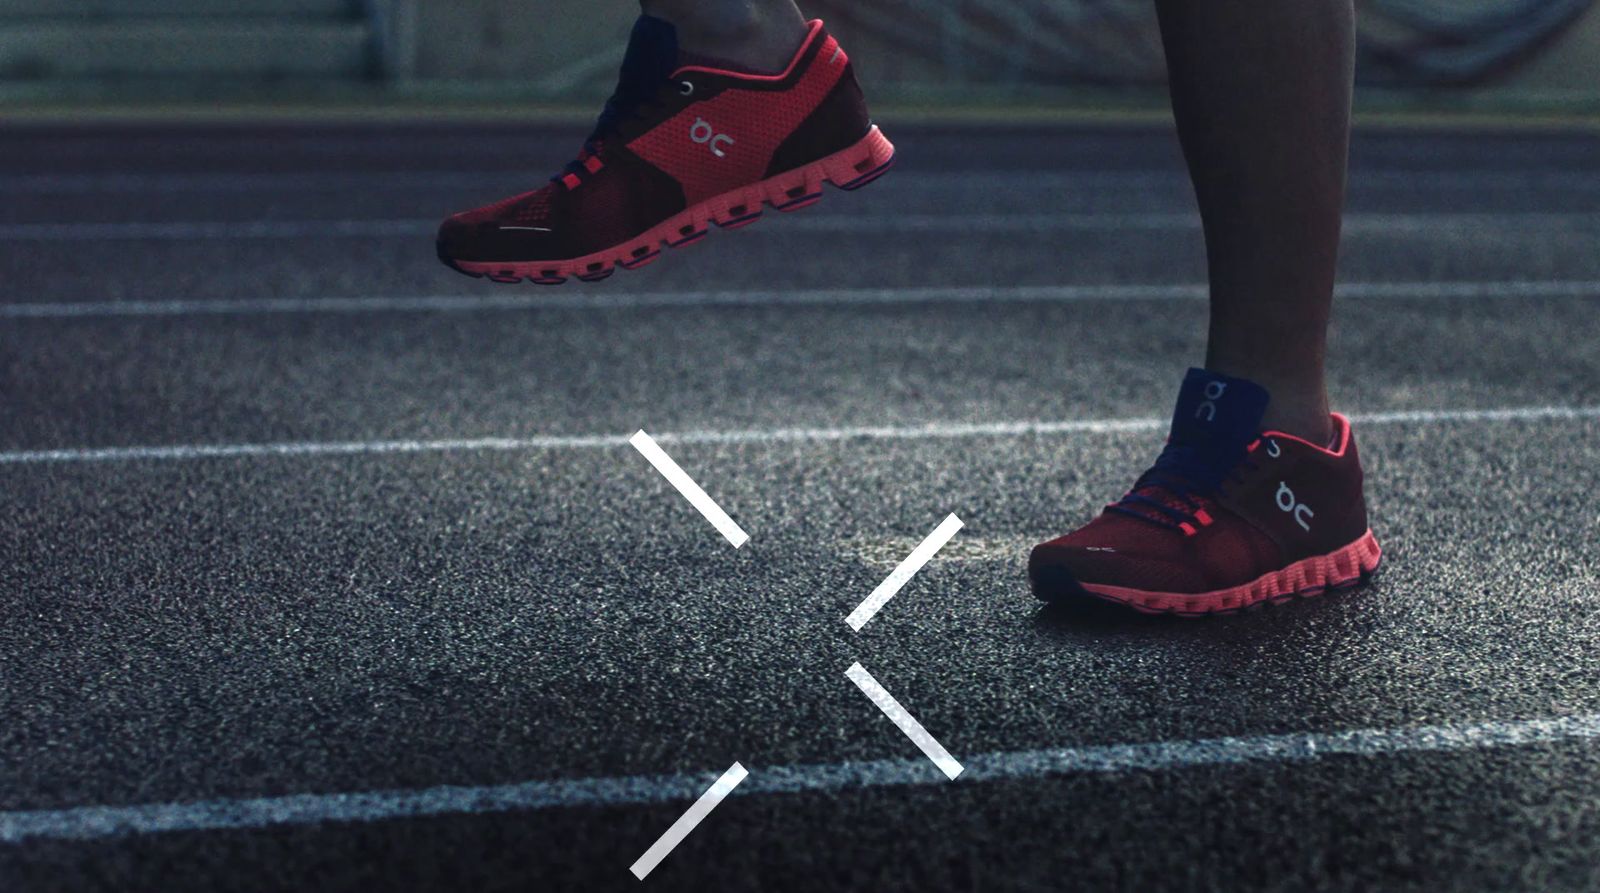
702, 132
1287, 502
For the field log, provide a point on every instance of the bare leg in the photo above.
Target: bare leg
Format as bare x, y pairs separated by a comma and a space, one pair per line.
1261, 94
758, 34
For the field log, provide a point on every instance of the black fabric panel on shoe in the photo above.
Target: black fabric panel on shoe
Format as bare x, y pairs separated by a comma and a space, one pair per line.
838, 122
651, 57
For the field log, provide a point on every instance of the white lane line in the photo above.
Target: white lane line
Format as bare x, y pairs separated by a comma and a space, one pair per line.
282, 181
690, 490
1173, 221
199, 230
904, 721
502, 182
696, 814
333, 448
99, 822
583, 300
930, 431
1154, 221
903, 573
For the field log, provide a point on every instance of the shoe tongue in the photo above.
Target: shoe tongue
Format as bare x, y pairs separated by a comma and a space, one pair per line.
652, 53
651, 58
1217, 416
1215, 420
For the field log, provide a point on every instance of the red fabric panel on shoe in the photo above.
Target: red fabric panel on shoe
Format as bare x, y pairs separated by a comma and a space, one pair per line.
839, 121
756, 121
1124, 551
1307, 499
529, 208
609, 207
617, 204
1234, 552
1121, 551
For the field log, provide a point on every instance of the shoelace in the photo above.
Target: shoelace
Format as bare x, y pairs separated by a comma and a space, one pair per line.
625, 103
1191, 478
638, 88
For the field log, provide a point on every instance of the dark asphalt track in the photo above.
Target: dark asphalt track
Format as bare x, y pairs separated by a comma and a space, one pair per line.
214, 628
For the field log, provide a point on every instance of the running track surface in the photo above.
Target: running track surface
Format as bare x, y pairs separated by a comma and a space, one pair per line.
322, 567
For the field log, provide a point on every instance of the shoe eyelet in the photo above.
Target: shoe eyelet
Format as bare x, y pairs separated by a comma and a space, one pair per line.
686, 88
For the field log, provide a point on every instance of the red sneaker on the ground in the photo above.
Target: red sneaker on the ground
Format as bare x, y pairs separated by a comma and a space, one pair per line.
1229, 517
678, 148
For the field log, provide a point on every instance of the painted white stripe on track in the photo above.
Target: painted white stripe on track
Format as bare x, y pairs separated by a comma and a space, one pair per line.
198, 230
281, 181
1053, 179
575, 298
98, 822
825, 223
930, 431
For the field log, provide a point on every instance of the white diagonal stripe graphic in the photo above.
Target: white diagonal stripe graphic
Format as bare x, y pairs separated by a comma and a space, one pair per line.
904, 572
690, 490
905, 721
687, 822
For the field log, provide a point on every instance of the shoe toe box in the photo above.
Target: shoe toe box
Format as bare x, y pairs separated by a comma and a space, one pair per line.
1061, 568
465, 238
519, 228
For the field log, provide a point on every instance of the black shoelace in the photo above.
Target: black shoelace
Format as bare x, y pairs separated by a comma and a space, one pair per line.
1190, 476
651, 57
628, 101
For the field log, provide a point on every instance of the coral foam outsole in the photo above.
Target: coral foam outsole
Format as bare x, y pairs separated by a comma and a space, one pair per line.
1340, 569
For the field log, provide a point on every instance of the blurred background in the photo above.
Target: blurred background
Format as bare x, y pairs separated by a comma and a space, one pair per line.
1517, 56
289, 510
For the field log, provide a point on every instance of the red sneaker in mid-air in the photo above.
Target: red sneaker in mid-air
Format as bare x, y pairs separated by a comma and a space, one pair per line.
680, 146
1228, 517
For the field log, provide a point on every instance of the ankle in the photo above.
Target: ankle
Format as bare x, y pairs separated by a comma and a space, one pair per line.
1295, 407
1297, 402
1308, 421
759, 35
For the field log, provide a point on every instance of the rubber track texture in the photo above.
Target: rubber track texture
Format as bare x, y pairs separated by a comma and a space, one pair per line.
849, 169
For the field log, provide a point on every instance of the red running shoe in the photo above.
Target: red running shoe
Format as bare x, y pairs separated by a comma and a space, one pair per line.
1227, 518
678, 148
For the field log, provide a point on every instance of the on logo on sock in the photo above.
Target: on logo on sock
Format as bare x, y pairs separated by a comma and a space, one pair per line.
1208, 407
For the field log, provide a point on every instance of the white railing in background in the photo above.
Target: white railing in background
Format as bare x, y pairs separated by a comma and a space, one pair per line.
394, 36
